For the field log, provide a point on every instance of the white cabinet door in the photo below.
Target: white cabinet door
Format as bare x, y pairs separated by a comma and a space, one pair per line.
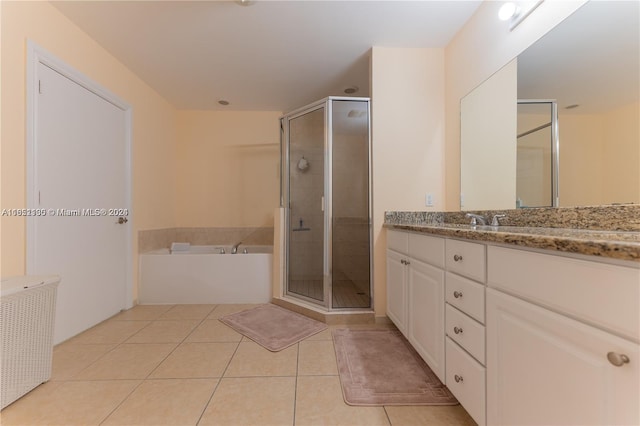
545, 368
397, 290
426, 314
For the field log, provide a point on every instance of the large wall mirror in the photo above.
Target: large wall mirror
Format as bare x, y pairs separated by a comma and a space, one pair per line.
584, 73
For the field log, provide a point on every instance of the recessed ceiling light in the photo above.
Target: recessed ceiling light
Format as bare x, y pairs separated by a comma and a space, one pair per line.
245, 2
351, 90
223, 102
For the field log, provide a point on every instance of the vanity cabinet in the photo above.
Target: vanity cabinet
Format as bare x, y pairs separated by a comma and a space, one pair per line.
562, 340
521, 336
415, 293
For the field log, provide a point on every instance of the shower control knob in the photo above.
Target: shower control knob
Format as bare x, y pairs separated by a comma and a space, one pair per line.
457, 258
458, 379
122, 220
457, 294
457, 330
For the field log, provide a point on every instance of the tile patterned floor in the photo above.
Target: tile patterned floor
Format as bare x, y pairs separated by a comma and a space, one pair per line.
178, 365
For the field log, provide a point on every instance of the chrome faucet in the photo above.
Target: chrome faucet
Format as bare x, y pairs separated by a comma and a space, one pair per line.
476, 219
234, 249
496, 219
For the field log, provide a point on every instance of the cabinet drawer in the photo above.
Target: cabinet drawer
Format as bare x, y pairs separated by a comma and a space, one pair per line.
398, 241
465, 331
602, 294
427, 249
466, 295
467, 259
470, 387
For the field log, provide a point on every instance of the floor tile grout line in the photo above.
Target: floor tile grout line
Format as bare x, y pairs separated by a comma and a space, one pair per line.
142, 381
215, 388
295, 385
176, 347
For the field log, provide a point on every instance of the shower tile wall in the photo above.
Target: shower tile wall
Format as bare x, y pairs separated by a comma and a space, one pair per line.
306, 191
351, 270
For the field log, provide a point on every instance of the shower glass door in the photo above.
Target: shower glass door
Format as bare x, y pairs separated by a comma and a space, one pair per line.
306, 189
350, 215
537, 154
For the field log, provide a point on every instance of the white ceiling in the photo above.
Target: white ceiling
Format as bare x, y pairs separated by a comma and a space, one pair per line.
272, 55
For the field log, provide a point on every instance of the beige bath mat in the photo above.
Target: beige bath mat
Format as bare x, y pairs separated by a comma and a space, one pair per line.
379, 367
273, 327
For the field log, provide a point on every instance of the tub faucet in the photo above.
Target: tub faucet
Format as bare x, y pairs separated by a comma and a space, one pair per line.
234, 250
476, 219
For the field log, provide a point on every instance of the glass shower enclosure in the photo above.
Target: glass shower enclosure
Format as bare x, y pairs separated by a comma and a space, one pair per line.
326, 195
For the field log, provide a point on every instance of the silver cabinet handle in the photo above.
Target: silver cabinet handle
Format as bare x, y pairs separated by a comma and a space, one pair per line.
457, 330
457, 294
458, 379
617, 359
457, 258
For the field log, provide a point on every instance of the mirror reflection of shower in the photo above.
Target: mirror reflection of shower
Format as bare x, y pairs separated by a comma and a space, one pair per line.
537, 154
326, 193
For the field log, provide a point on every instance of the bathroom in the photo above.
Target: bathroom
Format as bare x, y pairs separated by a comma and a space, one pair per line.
215, 170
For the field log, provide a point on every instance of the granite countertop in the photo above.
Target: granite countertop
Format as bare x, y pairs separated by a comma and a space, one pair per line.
616, 242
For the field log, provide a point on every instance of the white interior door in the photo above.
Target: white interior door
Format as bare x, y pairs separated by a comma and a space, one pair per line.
81, 178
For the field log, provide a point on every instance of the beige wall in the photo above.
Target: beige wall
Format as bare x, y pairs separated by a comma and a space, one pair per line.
482, 47
407, 88
153, 135
488, 138
227, 168
581, 173
622, 155
600, 157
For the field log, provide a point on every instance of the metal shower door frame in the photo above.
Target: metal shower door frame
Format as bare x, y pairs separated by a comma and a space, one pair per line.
327, 201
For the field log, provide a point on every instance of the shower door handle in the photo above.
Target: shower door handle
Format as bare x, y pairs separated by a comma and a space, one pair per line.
322, 203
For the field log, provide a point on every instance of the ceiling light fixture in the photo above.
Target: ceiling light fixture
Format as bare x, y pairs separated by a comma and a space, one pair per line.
507, 11
515, 14
245, 2
223, 102
571, 106
351, 90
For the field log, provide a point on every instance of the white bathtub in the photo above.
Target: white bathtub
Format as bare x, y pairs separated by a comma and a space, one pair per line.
203, 275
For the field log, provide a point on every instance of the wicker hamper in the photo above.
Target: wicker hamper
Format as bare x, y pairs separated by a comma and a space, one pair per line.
27, 313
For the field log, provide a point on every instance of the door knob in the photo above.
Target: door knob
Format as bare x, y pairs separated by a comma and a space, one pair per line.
617, 359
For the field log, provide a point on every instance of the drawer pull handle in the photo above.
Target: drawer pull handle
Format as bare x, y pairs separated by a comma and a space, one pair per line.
617, 359
458, 379
457, 294
457, 258
457, 330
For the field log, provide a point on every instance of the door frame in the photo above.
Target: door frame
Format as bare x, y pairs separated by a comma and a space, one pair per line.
38, 55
